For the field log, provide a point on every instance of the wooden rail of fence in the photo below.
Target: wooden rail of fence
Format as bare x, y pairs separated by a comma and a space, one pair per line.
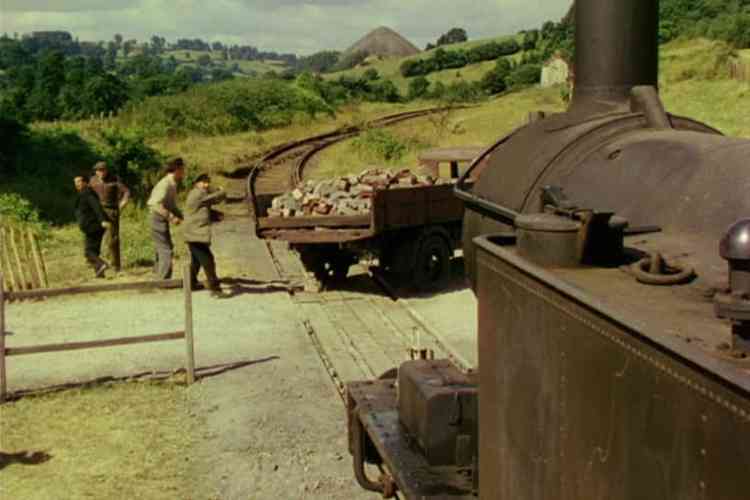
21, 261
187, 334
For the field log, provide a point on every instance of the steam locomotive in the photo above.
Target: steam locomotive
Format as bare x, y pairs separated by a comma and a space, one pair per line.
611, 264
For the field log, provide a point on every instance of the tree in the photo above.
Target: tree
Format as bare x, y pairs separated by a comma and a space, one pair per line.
320, 62
386, 91
351, 60
418, 87
371, 75
48, 82
217, 47
204, 60
103, 94
455, 35
158, 44
530, 39
118, 40
493, 81
110, 58
128, 47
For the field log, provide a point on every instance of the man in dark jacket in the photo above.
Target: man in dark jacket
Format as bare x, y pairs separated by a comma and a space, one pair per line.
113, 195
196, 229
93, 222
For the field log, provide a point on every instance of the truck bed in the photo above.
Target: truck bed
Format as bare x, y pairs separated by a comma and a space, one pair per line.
392, 209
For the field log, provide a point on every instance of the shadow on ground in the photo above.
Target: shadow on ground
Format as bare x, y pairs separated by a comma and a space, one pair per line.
203, 372
24, 458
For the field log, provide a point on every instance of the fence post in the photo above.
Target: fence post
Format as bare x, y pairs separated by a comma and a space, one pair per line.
3, 384
19, 263
188, 288
38, 259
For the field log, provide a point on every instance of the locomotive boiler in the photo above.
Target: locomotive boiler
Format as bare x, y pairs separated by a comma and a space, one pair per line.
611, 263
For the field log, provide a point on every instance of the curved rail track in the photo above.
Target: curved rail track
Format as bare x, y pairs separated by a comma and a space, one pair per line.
282, 168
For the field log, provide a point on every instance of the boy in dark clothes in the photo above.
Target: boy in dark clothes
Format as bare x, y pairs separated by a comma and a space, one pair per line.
93, 222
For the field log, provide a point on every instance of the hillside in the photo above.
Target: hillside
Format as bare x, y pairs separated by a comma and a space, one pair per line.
243, 67
383, 42
694, 82
388, 67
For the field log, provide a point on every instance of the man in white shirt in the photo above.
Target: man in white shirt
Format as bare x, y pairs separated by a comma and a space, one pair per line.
163, 209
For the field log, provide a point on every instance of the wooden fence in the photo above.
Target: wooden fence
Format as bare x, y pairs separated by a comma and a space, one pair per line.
187, 334
21, 262
739, 70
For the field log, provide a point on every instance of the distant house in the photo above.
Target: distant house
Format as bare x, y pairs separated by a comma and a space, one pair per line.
556, 71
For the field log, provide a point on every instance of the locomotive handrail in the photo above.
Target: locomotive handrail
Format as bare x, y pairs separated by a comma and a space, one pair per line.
504, 213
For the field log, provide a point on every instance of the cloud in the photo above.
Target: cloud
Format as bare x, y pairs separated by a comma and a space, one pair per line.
64, 5
299, 26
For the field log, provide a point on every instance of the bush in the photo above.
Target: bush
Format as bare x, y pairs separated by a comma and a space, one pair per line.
15, 209
463, 91
128, 156
385, 91
418, 87
443, 59
525, 74
380, 145
225, 108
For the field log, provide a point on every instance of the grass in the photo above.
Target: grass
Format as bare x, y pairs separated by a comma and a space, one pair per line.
227, 153
476, 126
66, 266
114, 441
190, 58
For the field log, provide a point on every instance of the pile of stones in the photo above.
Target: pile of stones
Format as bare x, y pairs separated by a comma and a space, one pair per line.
345, 196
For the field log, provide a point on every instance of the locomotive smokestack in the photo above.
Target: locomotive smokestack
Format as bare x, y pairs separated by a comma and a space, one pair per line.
617, 48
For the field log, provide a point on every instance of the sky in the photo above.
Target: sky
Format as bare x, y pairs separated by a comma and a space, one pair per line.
297, 26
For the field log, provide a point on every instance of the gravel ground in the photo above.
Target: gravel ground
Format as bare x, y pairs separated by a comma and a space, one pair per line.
273, 425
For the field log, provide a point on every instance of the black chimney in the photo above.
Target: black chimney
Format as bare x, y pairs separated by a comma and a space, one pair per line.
617, 48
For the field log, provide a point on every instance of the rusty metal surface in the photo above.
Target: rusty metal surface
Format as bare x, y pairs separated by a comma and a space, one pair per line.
616, 49
583, 398
374, 404
437, 404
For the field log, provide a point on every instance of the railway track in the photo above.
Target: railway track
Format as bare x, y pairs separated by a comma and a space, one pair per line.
364, 330
283, 167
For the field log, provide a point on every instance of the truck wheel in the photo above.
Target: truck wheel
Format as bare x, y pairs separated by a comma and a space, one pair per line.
432, 267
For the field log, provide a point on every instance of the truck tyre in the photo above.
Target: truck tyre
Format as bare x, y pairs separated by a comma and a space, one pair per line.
432, 266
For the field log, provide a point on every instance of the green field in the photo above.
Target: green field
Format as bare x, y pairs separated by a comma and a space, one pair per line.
189, 57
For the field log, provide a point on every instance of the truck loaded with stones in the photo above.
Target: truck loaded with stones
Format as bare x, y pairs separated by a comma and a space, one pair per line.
409, 220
